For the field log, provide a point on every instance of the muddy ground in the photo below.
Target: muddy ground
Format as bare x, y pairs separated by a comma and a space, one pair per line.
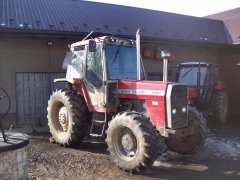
218, 159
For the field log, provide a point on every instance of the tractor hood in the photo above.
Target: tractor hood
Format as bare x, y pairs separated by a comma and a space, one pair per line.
154, 90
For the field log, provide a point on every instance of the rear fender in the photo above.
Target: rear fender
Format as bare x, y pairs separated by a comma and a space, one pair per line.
79, 86
70, 80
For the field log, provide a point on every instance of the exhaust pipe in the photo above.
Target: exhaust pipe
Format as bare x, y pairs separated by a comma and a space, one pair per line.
138, 55
166, 57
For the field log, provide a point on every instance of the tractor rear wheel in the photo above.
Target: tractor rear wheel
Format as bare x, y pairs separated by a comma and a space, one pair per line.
191, 143
67, 116
219, 107
131, 140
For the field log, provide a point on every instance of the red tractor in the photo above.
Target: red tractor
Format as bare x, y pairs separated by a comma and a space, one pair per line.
206, 88
107, 100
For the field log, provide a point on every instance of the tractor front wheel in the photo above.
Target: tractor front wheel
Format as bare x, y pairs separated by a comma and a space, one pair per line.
67, 115
191, 143
131, 140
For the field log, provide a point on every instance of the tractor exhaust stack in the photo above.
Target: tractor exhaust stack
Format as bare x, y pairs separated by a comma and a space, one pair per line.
166, 57
138, 55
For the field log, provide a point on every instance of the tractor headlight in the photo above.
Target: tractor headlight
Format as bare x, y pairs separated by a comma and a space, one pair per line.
174, 111
184, 109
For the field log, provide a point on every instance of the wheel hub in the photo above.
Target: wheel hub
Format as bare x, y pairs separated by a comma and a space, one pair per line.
62, 117
129, 143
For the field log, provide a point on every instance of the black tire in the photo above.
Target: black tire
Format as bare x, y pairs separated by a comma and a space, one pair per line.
131, 140
219, 107
75, 117
191, 143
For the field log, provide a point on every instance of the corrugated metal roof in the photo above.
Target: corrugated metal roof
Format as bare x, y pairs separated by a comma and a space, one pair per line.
83, 16
231, 19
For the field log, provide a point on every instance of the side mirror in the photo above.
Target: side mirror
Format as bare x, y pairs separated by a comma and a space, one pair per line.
92, 46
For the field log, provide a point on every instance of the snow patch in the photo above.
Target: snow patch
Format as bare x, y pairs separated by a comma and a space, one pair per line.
223, 148
214, 147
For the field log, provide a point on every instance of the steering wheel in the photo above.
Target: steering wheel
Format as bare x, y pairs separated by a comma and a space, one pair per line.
5, 103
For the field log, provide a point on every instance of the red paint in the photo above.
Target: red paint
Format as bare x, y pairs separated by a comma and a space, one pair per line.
192, 92
141, 85
156, 112
154, 103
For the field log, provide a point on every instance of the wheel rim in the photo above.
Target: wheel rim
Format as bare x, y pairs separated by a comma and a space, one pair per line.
126, 144
63, 118
60, 118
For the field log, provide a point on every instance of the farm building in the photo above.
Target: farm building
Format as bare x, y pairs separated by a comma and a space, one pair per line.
34, 38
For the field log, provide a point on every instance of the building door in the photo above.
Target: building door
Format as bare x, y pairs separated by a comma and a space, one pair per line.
33, 91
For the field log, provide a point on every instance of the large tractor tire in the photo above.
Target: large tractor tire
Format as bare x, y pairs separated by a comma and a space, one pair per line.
219, 107
191, 143
67, 117
132, 141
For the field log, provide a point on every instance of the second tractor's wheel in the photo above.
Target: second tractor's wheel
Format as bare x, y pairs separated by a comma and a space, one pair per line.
67, 116
191, 143
219, 107
131, 140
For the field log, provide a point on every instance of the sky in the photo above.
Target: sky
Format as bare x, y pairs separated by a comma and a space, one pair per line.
198, 8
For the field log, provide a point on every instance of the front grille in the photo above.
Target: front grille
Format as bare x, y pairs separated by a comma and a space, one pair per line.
179, 119
176, 106
179, 95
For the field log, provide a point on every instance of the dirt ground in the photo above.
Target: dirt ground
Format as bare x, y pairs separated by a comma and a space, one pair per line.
218, 159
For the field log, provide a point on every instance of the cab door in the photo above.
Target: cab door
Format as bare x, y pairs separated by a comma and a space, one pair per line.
98, 88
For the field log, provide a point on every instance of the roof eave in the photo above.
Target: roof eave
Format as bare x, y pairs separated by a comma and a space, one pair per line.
68, 34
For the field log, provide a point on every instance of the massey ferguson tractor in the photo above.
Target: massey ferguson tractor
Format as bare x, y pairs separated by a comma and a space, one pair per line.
107, 99
206, 89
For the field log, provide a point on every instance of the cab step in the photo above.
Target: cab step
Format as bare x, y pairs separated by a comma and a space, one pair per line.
99, 121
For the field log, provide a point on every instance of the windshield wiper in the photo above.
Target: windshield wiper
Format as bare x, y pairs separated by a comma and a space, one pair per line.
186, 73
115, 56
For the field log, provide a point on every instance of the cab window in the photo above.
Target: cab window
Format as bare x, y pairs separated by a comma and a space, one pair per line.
94, 70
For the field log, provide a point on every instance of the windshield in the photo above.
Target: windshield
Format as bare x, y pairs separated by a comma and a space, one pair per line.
188, 75
121, 62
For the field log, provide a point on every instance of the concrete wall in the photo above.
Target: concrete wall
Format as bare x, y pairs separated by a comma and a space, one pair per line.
28, 55
183, 53
34, 55
228, 59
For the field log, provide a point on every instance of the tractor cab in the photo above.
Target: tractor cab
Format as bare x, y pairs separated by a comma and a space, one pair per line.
100, 63
201, 76
204, 83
